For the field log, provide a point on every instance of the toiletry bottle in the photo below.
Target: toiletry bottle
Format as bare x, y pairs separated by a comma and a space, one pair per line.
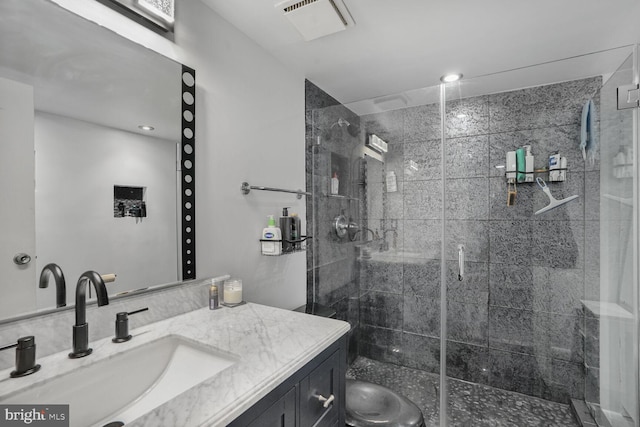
335, 183
528, 160
271, 238
286, 226
554, 166
520, 164
296, 233
213, 295
563, 169
392, 185
619, 161
511, 166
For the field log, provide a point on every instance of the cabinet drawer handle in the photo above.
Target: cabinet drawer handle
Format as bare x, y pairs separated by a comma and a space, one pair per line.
327, 401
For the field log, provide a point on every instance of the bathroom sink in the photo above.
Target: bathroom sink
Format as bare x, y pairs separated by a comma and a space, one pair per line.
131, 383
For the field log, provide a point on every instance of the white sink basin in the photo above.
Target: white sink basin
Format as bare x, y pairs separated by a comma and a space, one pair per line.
131, 383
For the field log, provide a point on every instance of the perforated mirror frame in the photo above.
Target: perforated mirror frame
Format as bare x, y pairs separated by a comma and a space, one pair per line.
188, 188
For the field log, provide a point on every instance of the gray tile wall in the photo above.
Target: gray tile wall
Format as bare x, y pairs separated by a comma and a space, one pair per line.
516, 321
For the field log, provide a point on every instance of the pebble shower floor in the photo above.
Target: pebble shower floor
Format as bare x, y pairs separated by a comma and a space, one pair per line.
470, 405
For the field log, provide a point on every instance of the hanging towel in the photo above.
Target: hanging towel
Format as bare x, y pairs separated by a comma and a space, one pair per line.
587, 132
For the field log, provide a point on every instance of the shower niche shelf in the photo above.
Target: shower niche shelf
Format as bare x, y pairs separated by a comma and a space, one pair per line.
339, 196
302, 241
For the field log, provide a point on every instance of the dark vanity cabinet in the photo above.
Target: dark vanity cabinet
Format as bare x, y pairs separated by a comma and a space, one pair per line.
311, 397
280, 414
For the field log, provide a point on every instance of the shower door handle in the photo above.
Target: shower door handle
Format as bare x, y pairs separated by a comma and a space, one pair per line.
460, 262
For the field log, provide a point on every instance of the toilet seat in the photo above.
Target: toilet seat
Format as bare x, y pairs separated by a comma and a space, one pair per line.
369, 404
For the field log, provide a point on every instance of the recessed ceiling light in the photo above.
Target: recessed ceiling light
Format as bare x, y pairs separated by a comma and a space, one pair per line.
146, 127
450, 78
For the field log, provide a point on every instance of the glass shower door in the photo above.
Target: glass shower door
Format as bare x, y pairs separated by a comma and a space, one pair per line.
400, 259
546, 304
468, 176
611, 351
520, 318
383, 273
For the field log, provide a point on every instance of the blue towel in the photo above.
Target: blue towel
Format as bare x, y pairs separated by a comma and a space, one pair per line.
587, 132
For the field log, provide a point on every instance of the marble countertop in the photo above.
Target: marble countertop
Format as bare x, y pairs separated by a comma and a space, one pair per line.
270, 344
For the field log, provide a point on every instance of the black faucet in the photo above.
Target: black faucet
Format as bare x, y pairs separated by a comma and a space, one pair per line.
58, 277
81, 328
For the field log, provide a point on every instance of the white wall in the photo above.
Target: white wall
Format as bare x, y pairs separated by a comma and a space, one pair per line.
77, 166
17, 208
249, 127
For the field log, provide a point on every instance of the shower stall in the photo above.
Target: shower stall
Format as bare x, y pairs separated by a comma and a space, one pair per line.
416, 245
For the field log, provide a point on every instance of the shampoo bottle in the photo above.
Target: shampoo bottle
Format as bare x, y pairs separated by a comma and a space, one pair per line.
392, 184
554, 167
520, 164
563, 169
271, 238
335, 183
511, 167
528, 164
214, 292
296, 233
286, 226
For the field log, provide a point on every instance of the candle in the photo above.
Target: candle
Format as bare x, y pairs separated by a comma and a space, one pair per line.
233, 291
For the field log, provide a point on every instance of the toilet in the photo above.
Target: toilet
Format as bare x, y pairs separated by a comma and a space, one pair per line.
369, 404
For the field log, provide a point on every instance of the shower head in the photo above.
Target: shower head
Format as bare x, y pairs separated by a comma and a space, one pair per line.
351, 129
341, 122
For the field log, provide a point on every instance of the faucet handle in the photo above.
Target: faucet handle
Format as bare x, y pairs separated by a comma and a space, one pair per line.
25, 356
108, 278
122, 325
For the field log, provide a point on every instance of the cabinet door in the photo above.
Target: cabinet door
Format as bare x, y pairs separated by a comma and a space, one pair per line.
280, 414
320, 394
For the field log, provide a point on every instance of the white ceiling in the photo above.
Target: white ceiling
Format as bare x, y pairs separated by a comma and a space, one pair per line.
81, 70
399, 45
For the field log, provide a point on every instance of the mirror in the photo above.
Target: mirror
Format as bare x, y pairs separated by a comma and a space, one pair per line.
107, 195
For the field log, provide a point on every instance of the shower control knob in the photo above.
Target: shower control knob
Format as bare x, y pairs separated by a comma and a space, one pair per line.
341, 226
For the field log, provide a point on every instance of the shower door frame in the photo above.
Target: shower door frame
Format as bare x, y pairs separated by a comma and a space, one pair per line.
443, 261
635, 235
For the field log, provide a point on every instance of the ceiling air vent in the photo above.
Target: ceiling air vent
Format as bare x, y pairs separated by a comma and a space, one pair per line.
317, 18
